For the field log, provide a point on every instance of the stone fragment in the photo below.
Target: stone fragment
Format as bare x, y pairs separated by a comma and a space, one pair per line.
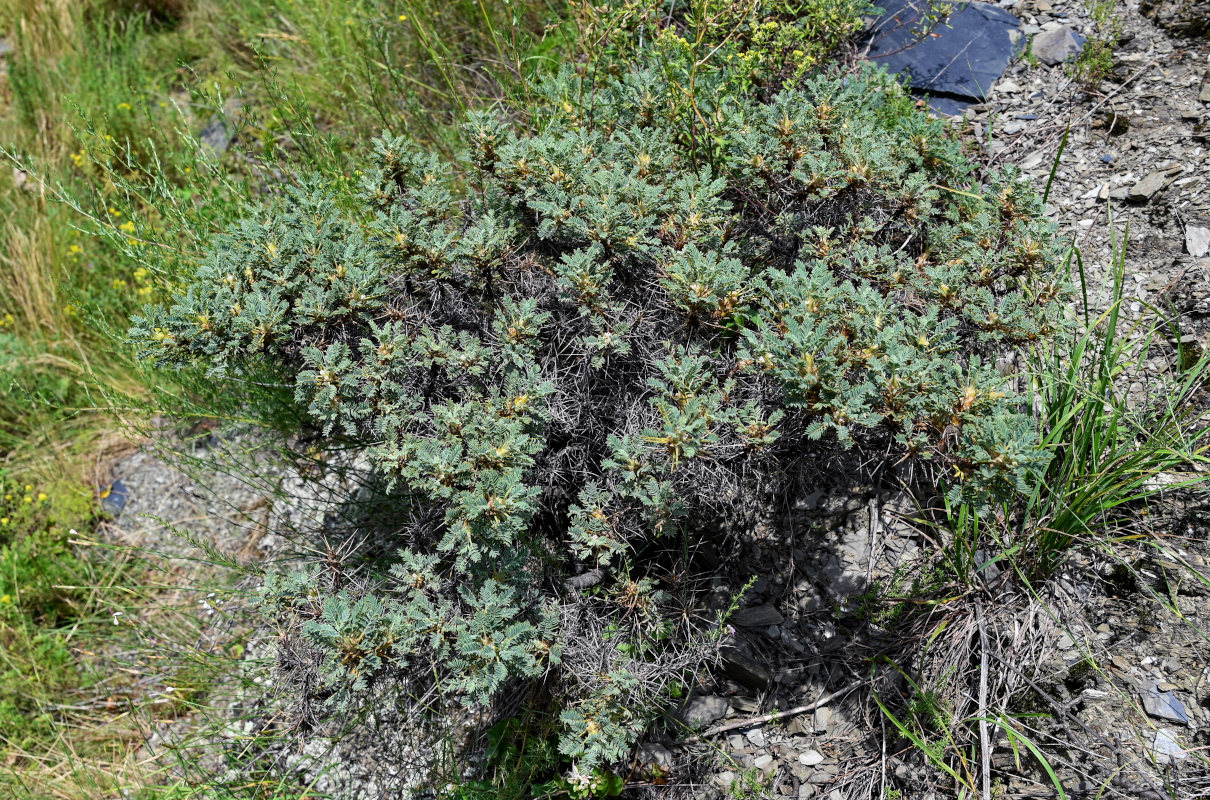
744, 670
810, 758
1149, 187
959, 59
1163, 705
1197, 241
723, 781
1056, 46
701, 710
1205, 95
1166, 747
765, 764
655, 754
744, 705
113, 497
216, 136
756, 736
822, 717
758, 617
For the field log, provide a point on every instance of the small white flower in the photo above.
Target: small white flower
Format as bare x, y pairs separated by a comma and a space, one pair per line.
579, 779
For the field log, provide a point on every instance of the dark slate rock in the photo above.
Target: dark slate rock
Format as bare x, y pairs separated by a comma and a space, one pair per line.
956, 62
744, 670
701, 710
758, 617
1163, 705
113, 497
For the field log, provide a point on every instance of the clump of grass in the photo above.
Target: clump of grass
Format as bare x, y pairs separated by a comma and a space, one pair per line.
100, 125
1112, 457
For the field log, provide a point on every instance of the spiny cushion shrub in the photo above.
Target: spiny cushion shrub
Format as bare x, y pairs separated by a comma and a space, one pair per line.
574, 350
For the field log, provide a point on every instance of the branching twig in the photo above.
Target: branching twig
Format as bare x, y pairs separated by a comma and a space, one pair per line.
773, 715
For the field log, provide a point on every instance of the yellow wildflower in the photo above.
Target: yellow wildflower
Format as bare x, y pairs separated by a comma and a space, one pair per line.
5, 599
127, 226
75, 250
3, 520
403, 17
124, 107
42, 498
118, 283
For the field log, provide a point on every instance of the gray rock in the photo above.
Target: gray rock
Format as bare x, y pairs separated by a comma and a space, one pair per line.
810, 758
216, 136
744, 670
822, 717
1166, 748
701, 710
1058, 45
723, 780
1163, 705
1205, 95
1197, 241
758, 617
756, 736
1146, 189
657, 754
766, 764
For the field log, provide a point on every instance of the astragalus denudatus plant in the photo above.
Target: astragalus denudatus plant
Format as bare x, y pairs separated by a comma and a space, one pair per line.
574, 349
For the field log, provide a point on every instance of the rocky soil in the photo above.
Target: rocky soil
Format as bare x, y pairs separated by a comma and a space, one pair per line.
1114, 652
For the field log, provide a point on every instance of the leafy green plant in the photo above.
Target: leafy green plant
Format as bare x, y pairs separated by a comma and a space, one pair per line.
1095, 61
558, 364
